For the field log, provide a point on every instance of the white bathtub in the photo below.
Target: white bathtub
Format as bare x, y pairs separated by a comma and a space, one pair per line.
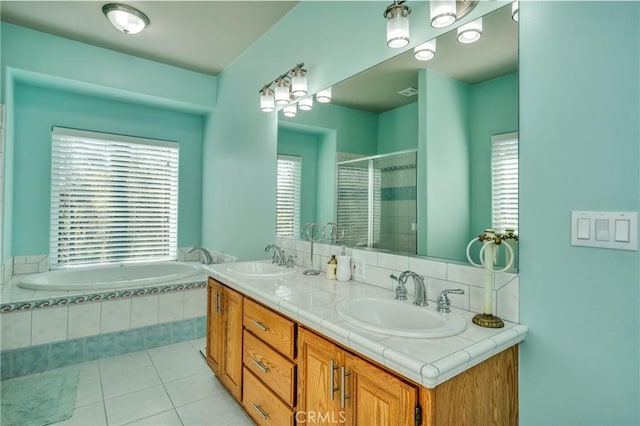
115, 276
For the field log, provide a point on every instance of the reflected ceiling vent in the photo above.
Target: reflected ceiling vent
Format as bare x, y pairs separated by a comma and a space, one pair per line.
408, 92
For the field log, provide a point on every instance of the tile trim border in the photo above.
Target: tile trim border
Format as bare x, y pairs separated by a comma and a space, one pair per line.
36, 359
96, 297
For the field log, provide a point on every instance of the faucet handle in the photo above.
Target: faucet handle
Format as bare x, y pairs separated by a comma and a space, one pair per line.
444, 304
291, 260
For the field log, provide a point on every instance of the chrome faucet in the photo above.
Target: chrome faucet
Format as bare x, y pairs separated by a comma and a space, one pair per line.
207, 259
443, 300
420, 297
278, 254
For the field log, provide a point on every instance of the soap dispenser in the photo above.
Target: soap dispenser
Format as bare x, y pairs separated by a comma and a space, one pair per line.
344, 267
332, 266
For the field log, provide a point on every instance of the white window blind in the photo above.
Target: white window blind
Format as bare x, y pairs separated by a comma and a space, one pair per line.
288, 196
113, 198
504, 181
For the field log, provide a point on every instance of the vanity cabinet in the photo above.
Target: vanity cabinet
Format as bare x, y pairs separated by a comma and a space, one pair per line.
224, 335
284, 374
336, 386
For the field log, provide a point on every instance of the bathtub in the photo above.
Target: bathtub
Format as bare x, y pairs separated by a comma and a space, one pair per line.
112, 276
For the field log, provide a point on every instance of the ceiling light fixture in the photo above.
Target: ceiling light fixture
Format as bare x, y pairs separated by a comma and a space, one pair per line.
425, 51
470, 32
125, 18
283, 89
324, 96
445, 12
397, 15
515, 6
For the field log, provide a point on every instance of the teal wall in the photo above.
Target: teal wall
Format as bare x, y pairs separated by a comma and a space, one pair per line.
398, 129
37, 109
304, 145
37, 59
356, 130
493, 109
579, 150
443, 183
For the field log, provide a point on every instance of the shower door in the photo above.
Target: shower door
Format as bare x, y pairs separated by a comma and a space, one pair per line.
377, 202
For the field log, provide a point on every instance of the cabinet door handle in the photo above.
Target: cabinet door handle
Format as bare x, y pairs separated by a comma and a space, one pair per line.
259, 409
343, 396
260, 325
218, 310
260, 365
332, 386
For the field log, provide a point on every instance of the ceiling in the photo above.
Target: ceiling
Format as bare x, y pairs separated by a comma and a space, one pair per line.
203, 36
494, 55
207, 36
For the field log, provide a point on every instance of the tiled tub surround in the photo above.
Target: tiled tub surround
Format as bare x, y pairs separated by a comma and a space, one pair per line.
312, 302
48, 329
439, 275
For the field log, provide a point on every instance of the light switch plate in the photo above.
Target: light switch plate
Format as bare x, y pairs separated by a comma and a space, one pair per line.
614, 230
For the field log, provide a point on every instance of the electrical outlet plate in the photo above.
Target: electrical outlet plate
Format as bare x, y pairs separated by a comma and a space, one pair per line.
358, 269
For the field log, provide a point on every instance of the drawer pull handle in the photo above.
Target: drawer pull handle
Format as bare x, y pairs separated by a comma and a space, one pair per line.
260, 365
343, 396
332, 385
260, 325
259, 409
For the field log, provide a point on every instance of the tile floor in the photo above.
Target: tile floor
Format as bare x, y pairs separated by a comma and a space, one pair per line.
169, 385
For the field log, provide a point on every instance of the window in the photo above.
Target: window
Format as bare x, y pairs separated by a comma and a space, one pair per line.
288, 196
504, 181
113, 198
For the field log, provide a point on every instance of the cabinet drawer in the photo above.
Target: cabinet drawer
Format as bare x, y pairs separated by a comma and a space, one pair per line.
262, 404
276, 371
272, 328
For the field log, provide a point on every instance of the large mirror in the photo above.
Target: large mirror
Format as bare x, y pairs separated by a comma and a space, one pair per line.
409, 156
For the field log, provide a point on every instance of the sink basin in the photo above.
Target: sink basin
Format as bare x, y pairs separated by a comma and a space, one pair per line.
389, 316
259, 269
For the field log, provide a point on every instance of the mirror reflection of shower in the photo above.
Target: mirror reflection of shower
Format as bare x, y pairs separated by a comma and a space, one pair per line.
376, 203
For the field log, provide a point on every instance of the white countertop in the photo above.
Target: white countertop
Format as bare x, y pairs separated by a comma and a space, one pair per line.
312, 301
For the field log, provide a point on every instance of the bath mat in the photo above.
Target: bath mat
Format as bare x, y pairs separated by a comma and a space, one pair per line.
39, 400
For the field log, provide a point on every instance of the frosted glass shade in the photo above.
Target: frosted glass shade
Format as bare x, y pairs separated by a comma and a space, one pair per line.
443, 13
305, 104
290, 110
470, 32
282, 92
425, 51
299, 83
324, 96
397, 26
267, 103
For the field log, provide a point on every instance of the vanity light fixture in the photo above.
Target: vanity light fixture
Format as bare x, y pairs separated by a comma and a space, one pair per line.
515, 6
445, 12
306, 104
324, 96
267, 103
290, 110
284, 89
299, 82
125, 18
470, 32
397, 15
425, 51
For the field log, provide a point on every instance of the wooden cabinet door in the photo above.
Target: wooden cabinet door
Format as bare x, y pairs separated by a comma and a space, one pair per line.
318, 404
232, 365
215, 330
375, 397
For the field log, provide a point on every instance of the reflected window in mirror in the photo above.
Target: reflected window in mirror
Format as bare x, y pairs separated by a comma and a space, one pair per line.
504, 181
288, 195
